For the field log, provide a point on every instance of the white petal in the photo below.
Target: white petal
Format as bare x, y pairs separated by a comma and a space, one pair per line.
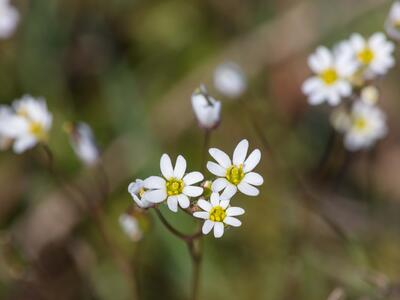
234, 211
218, 229
224, 203
216, 169
248, 189
207, 226
205, 205
232, 221
172, 202
155, 196
219, 184
214, 199
253, 178
154, 182
180, 167
24, 143
166, 166
252, 161
229, 191
192, 177
201, 215
221, 157
183, 201
239, 155
193, 191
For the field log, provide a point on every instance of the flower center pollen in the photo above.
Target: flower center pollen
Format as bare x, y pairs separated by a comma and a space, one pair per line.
360, 124
235, 174
329, 76
37, 130
174, 187
365, 56
217, 214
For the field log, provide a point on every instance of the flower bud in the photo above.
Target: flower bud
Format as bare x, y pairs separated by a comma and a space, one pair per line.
230, 80
130, 226
206, 109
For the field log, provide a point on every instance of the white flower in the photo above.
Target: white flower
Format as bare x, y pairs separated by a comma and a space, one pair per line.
83, 142
28, 124
230, 80
217, 213
332, 72
137, 190
9, 18
368, 124
206, 109
392, 24
5, 113
235, 174
174, 186
370, 95
374, 56
130, 226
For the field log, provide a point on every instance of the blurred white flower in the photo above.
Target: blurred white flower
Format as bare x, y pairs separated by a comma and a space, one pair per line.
392, 24
206, 109
340, 119
369, 95
9, 18
230, 80
174, 186
236, 173
28, 124
368, 124
137, 190
130, 226
5, 141
83, 142
332, 72
217, 213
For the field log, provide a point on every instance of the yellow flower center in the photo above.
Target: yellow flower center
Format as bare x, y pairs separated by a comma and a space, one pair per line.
235, 174
329, 76
365, 56
174, 186
141, 192
360, 123
37, 130
217, 214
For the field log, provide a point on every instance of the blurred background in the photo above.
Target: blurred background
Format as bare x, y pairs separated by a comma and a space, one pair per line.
128, 68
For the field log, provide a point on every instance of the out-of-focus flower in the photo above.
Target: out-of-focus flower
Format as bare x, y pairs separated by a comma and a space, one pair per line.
374, 56
174, 186
340, 119
83, 142
137, 190
217, 213
369, 95
206, 109
236, 173
332, 71
130, 226
9, 18
392, 24
368, 124
5, 141
230, 80
28, 124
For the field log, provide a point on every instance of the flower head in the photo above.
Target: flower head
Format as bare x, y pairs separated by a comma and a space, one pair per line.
331, 80
137, 190
217, 213
369, 95
174, 186
392, 24
206, 109
230, 80
9, 18
236, 173
130, 226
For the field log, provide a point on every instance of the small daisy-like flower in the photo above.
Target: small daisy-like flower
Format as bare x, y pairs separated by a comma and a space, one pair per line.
137, 190
392, 24
174, 186
330, 82
83, 142
130, 226
217, 213
236, 173
367, 125
206, 109
230, 80
9, 18
28, 125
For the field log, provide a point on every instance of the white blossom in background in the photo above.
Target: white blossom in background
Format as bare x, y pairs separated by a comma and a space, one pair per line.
367, 125
28, 124
236, 173
392, 24
369, 95
137, 190
331, 80
229, 80
9, 18
83, 142
217, 213
5, 112
340, 119
206, 109
130, 226
174, 186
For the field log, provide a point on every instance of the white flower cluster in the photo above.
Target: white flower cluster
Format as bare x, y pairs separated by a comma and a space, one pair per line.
180, 189
344, 77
